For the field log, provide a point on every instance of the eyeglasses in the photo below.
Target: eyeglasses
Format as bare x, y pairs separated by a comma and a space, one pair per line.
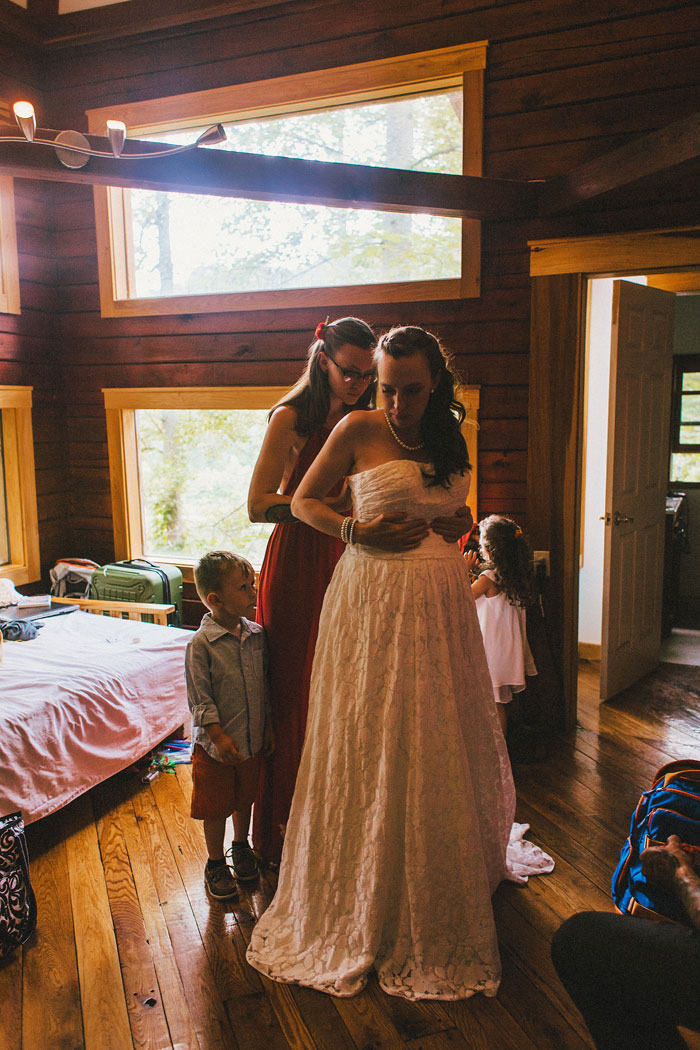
350, 375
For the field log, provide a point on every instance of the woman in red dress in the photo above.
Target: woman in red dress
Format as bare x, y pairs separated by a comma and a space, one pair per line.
299, 561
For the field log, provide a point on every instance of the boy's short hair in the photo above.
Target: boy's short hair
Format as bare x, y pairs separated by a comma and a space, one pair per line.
213, 568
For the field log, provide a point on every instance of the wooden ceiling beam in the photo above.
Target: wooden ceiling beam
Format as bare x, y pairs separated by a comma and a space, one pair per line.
227, 174
647, 155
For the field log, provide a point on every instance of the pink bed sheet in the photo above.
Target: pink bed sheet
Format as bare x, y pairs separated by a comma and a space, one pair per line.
83, 700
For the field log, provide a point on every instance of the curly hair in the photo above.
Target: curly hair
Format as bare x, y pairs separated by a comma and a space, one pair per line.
213, 568
310, 396
440, 427
509, 555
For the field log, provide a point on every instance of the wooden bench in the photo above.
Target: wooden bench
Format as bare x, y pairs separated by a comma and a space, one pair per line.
121, 610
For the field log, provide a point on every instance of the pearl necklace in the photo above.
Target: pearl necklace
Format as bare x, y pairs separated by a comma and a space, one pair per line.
409, 448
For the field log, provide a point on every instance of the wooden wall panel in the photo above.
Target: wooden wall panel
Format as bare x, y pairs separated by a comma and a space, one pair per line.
31, 347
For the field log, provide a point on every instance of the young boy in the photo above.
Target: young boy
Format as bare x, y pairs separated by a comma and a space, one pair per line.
227, 692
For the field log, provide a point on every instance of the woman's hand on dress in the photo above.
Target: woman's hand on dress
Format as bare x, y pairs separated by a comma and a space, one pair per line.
454, 526
391, 532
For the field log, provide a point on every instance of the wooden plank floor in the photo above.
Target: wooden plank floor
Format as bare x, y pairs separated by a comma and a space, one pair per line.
129, 951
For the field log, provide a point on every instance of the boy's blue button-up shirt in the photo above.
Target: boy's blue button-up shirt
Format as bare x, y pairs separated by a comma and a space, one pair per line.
227, 682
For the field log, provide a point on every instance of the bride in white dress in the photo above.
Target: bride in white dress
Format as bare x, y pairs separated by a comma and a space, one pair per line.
404, 801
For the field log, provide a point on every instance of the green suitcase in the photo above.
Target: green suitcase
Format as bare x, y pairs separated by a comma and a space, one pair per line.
140, 580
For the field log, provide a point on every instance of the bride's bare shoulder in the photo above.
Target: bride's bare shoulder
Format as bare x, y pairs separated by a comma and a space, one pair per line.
358, 424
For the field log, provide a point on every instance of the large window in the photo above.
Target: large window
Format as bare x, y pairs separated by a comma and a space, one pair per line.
9, 270
181, 460
685, 421
19, 533
173, 252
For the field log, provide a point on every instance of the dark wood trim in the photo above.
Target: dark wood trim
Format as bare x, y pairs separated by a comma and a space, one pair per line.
259, 177
555, 419
646, 155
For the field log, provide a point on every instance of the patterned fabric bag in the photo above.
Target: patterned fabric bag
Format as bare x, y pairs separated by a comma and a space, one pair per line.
17, 901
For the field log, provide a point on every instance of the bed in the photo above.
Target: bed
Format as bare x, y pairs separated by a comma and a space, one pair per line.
83, 700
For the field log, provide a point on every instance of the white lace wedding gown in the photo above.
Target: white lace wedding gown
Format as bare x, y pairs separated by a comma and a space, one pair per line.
404, 800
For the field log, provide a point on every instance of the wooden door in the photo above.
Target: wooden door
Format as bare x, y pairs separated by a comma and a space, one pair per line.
637, 479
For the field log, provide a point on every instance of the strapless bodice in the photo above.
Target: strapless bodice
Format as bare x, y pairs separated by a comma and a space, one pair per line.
399, 485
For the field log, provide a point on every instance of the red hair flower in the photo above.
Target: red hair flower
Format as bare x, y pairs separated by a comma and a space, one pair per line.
321, 329
518, 533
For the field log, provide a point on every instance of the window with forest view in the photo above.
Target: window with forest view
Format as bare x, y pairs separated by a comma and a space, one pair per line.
246, 245
406, 113
195, 467
685, 428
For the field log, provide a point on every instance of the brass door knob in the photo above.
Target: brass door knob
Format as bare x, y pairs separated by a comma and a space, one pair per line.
620, 519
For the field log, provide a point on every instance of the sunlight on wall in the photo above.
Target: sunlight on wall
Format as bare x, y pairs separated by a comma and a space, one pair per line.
590, 608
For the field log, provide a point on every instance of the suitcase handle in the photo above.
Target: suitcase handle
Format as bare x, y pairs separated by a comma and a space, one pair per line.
156, 568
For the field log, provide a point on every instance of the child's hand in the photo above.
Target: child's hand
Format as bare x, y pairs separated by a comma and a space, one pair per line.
472, 560
269, 742
228, 749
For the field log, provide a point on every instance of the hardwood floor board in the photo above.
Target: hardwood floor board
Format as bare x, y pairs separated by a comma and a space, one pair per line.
254, 1023
635, 768
283, 1001
217, 924
568, 804
615, 794
410, 1019
450, 1039
180, 1025
634, 731
105, 1020
524, 936
367, 1021
486, 1025
555, 838
323, 1020
206, 1007
11, 1001
48, 989
543, 1023
144, 1002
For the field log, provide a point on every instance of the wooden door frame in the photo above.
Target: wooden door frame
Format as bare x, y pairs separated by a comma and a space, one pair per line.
560, 270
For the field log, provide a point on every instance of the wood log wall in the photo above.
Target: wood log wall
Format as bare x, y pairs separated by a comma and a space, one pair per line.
565, 83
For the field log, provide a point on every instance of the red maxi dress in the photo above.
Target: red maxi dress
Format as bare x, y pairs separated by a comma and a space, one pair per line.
296, 570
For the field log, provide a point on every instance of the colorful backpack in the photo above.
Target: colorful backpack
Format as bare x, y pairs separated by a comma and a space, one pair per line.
670, 807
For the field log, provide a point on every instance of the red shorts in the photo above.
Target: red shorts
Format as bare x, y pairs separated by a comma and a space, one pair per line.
218, 790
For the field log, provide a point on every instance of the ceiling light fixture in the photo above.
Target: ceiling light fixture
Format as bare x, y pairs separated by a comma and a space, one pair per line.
74, 150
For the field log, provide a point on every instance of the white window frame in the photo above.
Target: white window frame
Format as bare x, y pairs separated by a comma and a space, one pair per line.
429, 70
20, 485
9, 260
122, 402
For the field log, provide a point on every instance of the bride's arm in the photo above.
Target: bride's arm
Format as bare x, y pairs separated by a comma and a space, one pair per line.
336, 460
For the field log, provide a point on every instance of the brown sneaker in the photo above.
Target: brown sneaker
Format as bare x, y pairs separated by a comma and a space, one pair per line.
245, 866
220, 883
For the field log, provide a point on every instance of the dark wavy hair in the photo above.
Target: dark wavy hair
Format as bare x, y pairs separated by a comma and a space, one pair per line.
441, 425
310, 396
510, 556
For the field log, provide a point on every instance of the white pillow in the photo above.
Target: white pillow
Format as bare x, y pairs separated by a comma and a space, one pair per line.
8, 594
